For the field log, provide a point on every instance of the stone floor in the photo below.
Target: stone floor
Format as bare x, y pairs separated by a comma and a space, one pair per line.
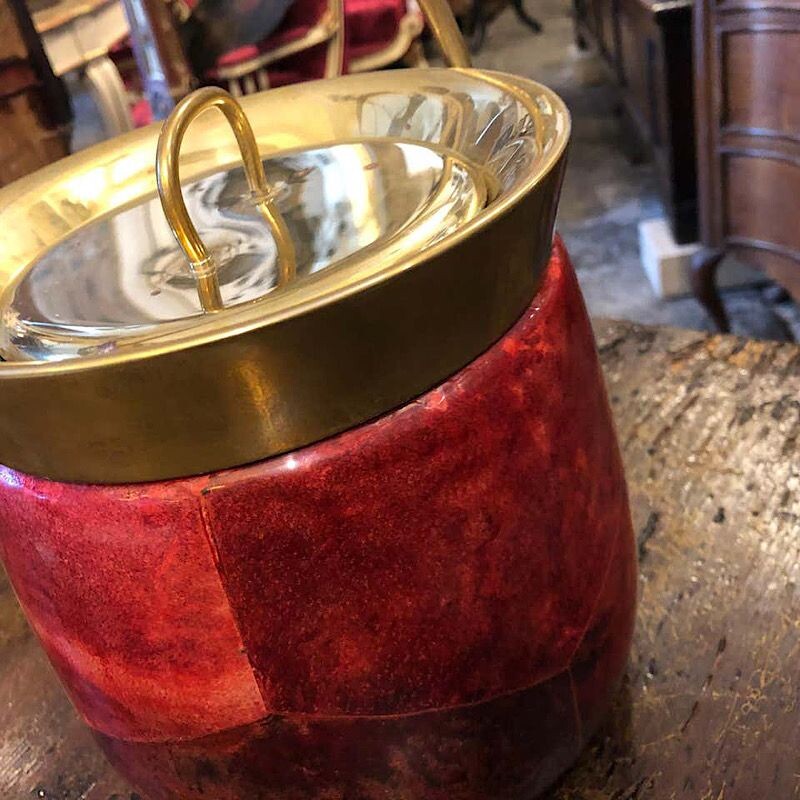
605, 195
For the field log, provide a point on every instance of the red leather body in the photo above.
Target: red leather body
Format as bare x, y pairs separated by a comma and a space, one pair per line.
439, 601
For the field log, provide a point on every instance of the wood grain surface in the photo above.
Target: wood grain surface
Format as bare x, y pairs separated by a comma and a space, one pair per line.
709, 428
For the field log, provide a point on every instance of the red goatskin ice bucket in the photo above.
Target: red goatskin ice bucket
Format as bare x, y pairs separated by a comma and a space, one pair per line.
339, 512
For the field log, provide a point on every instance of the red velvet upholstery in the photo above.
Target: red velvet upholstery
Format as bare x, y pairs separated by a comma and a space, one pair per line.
301, 17
371, 25
141, 113
307, 65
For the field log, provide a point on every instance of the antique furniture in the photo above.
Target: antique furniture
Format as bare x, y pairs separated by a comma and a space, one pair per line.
308, 44
323, 39
77, 36
97, 39
748, 131
34, 107
708, 704
325, 498
475, 16
381, 32
648, 47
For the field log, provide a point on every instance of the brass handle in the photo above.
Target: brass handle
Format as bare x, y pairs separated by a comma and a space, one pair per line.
445, 28
169, 189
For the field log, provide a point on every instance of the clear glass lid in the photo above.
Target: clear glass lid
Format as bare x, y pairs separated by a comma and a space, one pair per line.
123, 279
361, 179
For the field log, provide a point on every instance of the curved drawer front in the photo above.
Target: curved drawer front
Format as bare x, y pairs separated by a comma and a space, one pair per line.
753, 99
762, 92
758, 210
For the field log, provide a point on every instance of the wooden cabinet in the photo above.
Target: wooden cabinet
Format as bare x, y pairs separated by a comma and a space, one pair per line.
595, 22
655, 64
648, 46
748, 127
605, 26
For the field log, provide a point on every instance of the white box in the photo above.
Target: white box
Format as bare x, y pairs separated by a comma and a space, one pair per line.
667, 263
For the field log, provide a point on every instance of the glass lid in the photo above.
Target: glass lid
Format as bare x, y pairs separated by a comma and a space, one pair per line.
389, 167
123, 280
182, 300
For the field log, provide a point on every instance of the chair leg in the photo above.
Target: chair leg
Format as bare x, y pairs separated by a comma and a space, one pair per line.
249, 84
110, 95
415, 55
524, 16
262, 79
704, 286
476, 25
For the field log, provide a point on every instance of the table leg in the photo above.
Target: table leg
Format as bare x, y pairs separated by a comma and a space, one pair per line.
476, 26
703, 280
109, 92
525, 17
415, 57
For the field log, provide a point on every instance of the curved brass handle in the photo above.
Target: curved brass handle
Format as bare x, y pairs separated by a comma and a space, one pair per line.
445, 28
169, 189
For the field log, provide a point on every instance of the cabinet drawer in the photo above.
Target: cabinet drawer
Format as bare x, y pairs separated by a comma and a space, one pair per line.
761, 80
761, 201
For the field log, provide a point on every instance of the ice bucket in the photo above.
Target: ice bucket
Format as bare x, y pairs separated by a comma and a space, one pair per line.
311, 488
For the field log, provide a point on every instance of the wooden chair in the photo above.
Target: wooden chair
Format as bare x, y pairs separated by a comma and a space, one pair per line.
309, 44
323, 38
316, 39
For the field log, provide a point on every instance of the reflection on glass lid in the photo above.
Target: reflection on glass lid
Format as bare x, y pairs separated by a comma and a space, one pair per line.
122, 279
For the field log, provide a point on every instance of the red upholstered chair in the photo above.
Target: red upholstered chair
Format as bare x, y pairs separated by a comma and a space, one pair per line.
381, 32
308, 44
316, 39
323, 38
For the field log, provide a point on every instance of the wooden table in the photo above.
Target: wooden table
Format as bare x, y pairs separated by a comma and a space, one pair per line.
710, 706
